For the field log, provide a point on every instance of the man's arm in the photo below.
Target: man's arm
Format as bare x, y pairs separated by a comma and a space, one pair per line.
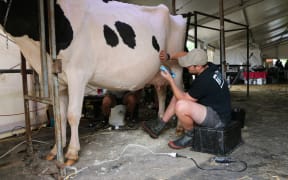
178, 93
164, 56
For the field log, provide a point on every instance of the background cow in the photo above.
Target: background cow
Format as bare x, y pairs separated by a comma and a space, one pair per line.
106, 44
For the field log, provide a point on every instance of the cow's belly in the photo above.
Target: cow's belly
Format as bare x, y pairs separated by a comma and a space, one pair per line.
119, 68
125, 77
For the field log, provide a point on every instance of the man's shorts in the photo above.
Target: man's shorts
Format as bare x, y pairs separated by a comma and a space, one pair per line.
117, 99
212, 119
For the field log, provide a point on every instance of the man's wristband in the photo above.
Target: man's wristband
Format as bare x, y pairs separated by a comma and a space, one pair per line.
168, 56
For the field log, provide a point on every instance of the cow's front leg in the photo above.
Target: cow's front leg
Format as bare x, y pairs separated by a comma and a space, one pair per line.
76, 88
63, 98
74, 146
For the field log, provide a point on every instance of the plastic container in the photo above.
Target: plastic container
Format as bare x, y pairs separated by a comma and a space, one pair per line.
117, 116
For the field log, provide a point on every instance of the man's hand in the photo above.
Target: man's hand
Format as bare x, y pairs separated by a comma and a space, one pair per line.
163, 56
166, 75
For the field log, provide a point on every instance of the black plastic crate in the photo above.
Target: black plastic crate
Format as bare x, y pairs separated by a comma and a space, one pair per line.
217, 141
92, 107
238, 114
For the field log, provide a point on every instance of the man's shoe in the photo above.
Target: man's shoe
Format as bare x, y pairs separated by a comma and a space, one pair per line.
185, 141
102, 125
154, 127
132, 123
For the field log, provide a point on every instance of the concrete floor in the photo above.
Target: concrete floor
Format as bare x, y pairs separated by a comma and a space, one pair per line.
132, 154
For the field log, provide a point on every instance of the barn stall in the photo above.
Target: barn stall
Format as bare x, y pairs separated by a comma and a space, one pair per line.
132, 157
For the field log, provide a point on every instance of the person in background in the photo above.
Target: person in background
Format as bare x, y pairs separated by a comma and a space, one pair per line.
286, 65
128, 98
279, 64
286, 70
207, 102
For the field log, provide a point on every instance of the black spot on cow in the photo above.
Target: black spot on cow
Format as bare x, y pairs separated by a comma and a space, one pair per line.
23, 20
64, 32
106, 1
110, 36
127, 34
155, 43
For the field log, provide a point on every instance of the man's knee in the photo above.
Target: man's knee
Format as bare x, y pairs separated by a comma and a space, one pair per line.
182, 106
107, 103
108, 100
130, 99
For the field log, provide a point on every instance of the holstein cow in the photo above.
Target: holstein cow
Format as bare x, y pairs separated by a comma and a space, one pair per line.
102, 43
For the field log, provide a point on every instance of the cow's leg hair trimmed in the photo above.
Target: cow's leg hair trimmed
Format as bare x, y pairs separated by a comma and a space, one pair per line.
63, 110
63, 98
76, 88
161, 94
179, 82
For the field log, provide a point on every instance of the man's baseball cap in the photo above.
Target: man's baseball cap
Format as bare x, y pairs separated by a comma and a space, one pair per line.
194, 57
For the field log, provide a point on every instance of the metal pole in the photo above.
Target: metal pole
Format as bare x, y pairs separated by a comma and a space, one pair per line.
247, 63
215, 17
38, 99
26, 106
44, 69
187, 30
56, 104
222, 39
28, 71
207, 27
173, 7
195, 31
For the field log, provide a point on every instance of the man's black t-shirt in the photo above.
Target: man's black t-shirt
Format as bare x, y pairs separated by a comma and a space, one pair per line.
212, 90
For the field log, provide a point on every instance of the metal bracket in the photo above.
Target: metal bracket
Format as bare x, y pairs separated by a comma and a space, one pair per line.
57, 66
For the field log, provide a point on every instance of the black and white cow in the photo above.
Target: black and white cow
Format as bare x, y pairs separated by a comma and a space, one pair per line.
102, 43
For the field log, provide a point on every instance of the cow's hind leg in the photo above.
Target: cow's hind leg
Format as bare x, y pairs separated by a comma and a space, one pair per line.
76, 88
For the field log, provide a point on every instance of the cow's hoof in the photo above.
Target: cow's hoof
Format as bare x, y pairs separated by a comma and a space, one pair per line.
70, 162
50, 156
72, 158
